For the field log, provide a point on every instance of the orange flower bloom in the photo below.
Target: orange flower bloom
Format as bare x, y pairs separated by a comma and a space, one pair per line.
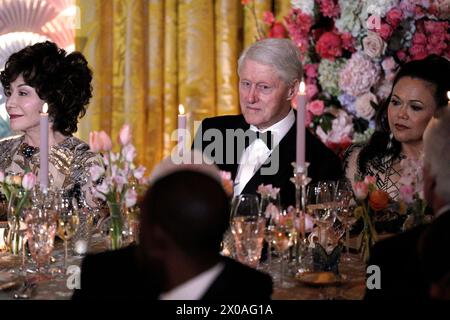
378, 200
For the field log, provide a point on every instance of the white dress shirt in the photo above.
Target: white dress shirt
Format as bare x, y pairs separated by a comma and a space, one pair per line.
194, 288
257, 153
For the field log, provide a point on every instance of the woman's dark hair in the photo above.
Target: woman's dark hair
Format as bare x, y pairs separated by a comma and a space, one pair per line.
60, 79
432, 69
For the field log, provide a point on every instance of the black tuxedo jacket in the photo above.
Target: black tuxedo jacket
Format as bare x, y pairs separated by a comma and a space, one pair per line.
324, 164
398, 259
119, 275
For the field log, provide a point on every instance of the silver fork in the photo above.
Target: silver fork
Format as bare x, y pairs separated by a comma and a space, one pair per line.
26, 291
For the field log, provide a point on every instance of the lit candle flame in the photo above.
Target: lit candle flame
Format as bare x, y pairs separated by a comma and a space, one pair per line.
448, 95
181, 109
45, 108
302, 88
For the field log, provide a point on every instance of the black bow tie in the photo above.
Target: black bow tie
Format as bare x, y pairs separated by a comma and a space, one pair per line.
266, 137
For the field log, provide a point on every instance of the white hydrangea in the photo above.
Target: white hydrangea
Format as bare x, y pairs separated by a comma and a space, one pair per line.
307, 6
350, 20
329, 75
378, 7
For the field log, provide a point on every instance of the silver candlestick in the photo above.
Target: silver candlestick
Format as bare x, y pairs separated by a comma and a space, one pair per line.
301, 180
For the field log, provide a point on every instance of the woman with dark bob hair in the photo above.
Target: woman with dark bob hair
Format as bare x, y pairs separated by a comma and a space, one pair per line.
38, 74
419, 89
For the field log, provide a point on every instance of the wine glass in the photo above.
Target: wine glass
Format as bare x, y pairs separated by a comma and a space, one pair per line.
41, 229
283, 237
270, 206
345, 215
247, 227
320, 205
68, 220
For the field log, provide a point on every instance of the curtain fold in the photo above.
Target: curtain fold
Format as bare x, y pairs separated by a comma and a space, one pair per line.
150, 56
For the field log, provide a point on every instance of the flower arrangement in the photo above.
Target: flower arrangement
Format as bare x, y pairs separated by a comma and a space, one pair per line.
351, 50
118, 179
17, 191
371, 202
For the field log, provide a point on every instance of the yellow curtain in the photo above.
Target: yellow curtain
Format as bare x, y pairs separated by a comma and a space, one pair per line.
148, 56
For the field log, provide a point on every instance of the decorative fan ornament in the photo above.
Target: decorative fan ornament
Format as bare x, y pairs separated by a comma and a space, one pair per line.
24, 15
60, 30
15, 41
61, 5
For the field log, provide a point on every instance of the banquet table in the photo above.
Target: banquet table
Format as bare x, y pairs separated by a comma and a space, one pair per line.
350, 288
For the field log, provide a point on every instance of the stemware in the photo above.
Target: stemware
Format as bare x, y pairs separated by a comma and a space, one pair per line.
269, 207
247, 227
345, 215
320, 205
41, 229
68, 220
283, 237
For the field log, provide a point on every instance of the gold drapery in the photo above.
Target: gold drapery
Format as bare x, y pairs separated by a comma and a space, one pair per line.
149, 56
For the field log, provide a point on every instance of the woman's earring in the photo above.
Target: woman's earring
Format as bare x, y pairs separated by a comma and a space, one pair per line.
389, 145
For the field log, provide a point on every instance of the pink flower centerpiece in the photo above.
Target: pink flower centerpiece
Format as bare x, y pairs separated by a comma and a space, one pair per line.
118, 179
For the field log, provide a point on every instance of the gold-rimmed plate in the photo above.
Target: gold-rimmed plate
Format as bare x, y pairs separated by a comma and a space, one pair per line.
319, 278
9, 280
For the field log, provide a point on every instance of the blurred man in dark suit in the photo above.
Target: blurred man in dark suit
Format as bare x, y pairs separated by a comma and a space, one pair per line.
413, 261
259, 145
184, 215
434, 244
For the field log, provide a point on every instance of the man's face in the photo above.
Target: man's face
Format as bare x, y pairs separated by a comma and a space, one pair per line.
265, 98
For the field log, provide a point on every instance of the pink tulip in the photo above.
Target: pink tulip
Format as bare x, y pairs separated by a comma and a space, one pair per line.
370, 180
28, 181
129, 153
125, 135
96, 172
130, 198
105, 141
407, 193
139, 172
361, 190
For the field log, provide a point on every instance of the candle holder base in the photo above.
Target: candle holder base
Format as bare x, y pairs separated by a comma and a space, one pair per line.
301, 180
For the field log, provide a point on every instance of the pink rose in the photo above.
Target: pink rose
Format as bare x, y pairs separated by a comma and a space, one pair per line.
316, 107
361, 190
373, 44
385, 31
364, 107
348, 42
394, 17
28, 181
130, 198
311, 91
125, 135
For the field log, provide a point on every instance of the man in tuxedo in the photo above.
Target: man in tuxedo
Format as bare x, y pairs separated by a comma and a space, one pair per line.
413, 261
259, 146
434, 244
183, 217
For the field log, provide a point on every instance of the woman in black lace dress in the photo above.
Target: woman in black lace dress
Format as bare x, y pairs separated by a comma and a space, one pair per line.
38, 74
419, 89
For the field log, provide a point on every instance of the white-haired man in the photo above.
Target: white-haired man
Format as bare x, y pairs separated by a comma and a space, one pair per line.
269, 75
